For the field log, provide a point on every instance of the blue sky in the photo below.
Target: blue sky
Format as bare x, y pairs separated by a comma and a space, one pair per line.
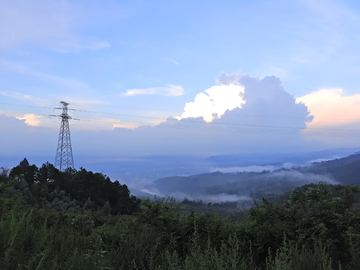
152, 58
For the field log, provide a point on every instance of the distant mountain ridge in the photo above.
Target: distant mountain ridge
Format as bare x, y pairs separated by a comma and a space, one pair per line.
343, 171
238, 160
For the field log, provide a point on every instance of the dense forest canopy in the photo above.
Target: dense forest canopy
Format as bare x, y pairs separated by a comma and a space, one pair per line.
47, 187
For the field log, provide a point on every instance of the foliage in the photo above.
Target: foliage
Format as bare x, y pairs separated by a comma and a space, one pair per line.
159, 238
48, 225
69, 191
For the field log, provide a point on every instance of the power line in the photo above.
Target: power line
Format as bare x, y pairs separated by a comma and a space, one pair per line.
210, 126
20, 105
249, 128
207, 125
159, 118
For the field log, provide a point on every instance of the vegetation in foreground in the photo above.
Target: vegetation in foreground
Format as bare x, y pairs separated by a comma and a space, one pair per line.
317, 227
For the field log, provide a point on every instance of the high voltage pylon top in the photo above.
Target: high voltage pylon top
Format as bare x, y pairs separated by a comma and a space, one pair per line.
64, 157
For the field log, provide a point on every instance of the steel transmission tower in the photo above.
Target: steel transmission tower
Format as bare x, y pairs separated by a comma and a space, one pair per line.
64, 157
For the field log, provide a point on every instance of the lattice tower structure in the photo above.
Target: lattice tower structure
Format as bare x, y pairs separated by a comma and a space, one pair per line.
64, 157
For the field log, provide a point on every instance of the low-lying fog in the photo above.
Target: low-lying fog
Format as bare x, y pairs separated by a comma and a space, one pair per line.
226, 178
230, 187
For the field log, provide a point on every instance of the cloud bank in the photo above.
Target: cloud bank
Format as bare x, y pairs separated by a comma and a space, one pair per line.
246, 115
260, 116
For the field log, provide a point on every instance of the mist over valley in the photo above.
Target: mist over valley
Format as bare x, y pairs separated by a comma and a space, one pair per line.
231, 178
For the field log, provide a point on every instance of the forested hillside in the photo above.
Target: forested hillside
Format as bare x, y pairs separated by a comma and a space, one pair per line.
267, 184
48, 188
345, 170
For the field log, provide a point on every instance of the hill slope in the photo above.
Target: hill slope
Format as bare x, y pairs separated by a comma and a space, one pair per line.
343, 171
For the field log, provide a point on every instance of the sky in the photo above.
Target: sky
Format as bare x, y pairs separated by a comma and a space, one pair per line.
179, 77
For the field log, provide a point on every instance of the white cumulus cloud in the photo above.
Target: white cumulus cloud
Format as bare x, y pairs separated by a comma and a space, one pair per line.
217, 100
